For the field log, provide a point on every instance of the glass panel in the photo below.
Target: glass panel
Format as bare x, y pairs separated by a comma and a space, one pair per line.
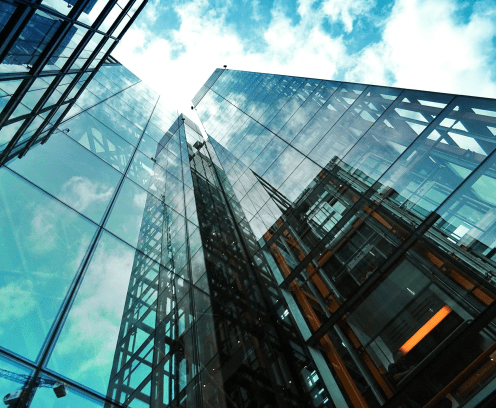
467, 223
116, 122
327, 116
132, 212
149, 146
110, 19
391, 135
283, 167
299, 179
33, 39
61, 6
119, 104
9, 87
86, 348
440, 159
100, 140
5, 13
353, 124
8, 132
147, 174
91, 11
42, 244
307, 110
269, 154
72, 174
10, 389
45, 397
67, 46
121, 26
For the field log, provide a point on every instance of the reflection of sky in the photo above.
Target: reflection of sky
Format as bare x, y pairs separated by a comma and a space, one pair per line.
42, 243
86, 346
72, 174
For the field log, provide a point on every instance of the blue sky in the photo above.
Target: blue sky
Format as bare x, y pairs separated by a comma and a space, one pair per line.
438, 45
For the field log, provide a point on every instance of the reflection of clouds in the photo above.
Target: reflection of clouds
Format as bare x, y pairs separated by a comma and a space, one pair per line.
43, 231
139, 200
80, 192
92, 327
16, 300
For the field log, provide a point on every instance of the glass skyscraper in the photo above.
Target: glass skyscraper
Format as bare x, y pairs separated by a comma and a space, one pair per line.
312, 243
374, 209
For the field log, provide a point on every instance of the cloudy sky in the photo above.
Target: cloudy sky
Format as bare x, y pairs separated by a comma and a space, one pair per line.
439, 45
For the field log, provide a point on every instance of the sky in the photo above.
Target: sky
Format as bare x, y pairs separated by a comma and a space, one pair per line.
438, 45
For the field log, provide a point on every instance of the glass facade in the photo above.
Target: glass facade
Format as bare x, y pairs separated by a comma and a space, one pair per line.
50, 51
316, 244
373, 208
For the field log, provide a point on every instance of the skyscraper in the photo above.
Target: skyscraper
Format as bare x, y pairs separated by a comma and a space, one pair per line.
374, 208
328, 244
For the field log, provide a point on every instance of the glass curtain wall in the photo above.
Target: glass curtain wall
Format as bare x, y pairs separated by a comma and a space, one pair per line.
257, 355
374, 208
50, 50
98, 236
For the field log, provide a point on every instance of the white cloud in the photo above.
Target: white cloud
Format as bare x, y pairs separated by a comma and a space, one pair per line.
80, 193
95, 318
16, 300
425, 46
177, 64
43, 229
346, 11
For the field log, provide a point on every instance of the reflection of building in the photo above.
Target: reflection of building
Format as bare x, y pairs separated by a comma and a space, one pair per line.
205, 330
375, 210
48, 55
321, 229
87, 9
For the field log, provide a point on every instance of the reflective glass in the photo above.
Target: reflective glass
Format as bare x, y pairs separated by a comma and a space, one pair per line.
30, 44
116, 122
61, 6
111, 18
8, 385
138, 218
42, 245
283, 167
71, 173
145, 172
100, 140
364, 112
430, 169
468, 219
86, 348
8, 132
396, 129
92, 11
269, 154
300, 179
46, 398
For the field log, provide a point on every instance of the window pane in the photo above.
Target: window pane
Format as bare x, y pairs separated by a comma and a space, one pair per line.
86, 347
72, 174
42, 245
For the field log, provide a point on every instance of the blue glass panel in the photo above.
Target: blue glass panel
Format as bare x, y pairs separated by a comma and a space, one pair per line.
71, 173
100, 140
87, 343
42, 245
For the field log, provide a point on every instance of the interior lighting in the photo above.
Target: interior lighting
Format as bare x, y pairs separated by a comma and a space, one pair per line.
426, 329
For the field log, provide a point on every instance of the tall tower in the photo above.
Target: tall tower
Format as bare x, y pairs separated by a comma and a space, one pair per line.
374, 208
